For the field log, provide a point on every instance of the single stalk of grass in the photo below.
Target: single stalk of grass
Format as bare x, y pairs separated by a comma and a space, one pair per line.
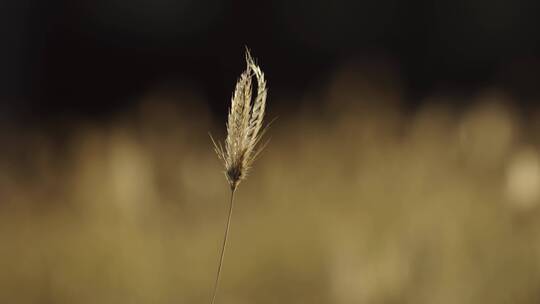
244, 131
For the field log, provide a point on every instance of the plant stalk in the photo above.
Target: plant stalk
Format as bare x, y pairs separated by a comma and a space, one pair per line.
224, 245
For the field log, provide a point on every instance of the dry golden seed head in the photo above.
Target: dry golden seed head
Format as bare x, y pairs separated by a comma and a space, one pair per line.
244, 124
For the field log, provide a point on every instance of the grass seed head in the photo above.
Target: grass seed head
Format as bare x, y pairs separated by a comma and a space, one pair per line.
244, 124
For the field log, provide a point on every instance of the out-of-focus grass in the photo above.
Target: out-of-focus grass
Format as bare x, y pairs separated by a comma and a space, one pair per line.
356, 203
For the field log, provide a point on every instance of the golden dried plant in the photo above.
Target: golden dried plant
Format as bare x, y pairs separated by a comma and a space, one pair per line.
244, 125
244, 131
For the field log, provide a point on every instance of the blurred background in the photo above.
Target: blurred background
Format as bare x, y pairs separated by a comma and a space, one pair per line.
403, 166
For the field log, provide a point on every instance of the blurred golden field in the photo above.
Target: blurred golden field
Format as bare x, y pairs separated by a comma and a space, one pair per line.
357, 201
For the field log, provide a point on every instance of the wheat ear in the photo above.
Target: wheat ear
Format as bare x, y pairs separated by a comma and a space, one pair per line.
244, 131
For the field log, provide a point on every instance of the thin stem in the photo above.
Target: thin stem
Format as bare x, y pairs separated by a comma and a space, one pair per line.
223, 246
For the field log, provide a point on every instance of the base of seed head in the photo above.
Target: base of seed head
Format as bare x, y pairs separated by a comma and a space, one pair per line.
234, 175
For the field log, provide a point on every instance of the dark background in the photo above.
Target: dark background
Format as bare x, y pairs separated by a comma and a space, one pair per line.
93, 58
